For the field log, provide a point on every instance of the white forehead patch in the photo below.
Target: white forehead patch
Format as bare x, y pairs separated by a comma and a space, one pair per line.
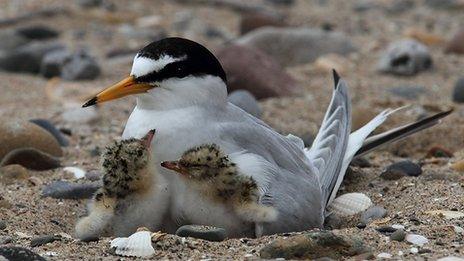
145, 65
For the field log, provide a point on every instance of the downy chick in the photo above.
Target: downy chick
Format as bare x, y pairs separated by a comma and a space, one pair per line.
126, 172
218, 179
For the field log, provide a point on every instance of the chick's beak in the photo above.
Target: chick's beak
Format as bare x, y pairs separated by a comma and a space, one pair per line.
146, 140
176, 166
123, 88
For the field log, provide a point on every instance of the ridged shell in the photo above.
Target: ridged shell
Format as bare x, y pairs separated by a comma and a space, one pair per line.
350, 204
137, 245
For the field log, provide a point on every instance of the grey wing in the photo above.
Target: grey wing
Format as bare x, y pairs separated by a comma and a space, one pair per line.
329, 147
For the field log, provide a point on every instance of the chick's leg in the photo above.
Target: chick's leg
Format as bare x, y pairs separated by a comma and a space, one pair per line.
101, 211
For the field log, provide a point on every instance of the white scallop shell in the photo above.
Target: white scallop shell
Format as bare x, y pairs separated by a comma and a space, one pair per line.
138, 245
350, 204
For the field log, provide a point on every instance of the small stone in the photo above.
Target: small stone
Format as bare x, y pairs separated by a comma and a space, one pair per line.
42, 240
52, 63
312, 245
48, 126
11, 40
12, 173
458, 230
80, 115
281, 2
414, 250
37, 32
252, 21
417, 240
203, 232
31, 159
451, 258
4, 203
401, 169
246, 101
405, 57
27, 58
80, 66
293, 46
23, 134
458, 91
361, 225
19, 253
5, 240
373, 213
398, 235
445, 4
384, 255
360, 162
93, 175
333, 221
386, 229
77, 173
66, 190
250, 69
456, 44
408, 92
2, 224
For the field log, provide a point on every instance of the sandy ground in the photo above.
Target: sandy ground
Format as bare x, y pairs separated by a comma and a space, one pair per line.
407, 200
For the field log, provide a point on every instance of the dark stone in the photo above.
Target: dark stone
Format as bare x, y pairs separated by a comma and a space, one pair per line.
456, 44
405, 57
48, 126
37, 32
400, 169
361, 225
53, 62
408, 92
5, 240
333, 221
203, 232
28, 57
444, 4
281, 2
313, 245
80, 66
31, 158
458, 91
15, 253
373, 213
2, 224
360, 162
42, 240
250, 69
246, 101
386, 229
66, 190
398, 235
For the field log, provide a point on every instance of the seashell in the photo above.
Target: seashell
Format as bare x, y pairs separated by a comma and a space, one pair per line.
137, 245
350, 204
78, 173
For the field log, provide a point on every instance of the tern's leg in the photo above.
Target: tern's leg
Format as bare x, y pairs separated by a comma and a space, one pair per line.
101, 211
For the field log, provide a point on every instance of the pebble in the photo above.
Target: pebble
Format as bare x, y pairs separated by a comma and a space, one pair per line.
456, 44
52, 63
80, 66
37, 32
246, 101
281, 2
451, 258
360, 162
445, 4
293, 46
203, 232
27, 58
384, 255
4, 203
399, 235
386, 229
312, 245
23, 134
77, 173
417, 240
11, 173
67, 190
401, 169
408, 92
11, 40
405, 57
93, 175
19, 253
5, 240
42, 240
252, 21
458, 91
48, 126
31, 159
250, 69
80, 115
373, 213
2, 224
414, 250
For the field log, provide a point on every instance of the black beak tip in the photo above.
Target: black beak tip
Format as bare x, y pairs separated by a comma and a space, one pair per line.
90, 102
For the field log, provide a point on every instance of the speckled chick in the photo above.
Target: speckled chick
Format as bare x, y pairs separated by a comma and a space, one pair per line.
126, 171
219, 179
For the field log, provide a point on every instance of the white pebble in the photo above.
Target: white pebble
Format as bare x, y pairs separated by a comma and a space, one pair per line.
77, 172
384, 255
397, 226
458, 230
416, 239
414, 250
451, 258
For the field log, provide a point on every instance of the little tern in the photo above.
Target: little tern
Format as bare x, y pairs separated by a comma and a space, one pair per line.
181, 92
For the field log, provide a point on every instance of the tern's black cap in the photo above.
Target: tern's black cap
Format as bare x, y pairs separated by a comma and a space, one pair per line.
198, 61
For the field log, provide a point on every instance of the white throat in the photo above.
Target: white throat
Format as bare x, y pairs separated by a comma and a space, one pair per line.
175, 93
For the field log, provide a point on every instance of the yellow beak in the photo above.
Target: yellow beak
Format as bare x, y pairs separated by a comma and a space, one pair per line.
123, 88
